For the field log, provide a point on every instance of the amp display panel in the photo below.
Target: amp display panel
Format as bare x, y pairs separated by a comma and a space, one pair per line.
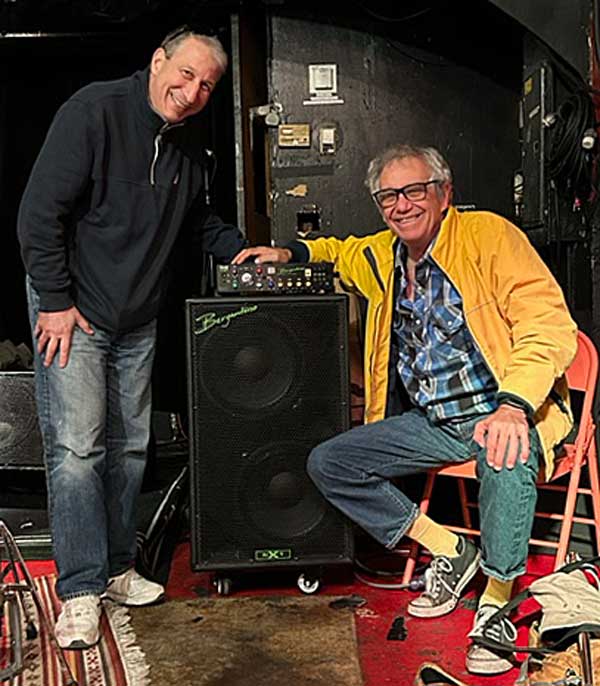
309, 278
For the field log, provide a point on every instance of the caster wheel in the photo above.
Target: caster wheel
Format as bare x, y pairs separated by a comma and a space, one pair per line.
308, 584
223, 586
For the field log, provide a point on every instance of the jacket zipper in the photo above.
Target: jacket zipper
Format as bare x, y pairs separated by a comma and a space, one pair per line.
157, 143
372, 262
555, 396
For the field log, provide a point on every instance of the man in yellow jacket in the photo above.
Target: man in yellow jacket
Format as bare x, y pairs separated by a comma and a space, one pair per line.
467, 340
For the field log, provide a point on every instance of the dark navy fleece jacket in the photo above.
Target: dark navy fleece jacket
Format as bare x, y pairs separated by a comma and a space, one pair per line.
110, 191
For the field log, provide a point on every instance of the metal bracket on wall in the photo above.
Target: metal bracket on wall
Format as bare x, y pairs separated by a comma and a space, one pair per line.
270, 113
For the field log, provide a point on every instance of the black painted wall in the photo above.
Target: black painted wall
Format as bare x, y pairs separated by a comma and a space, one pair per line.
431, 80
562, 24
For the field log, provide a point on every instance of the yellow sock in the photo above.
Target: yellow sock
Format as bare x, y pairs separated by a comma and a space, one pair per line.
437, 539
496, 592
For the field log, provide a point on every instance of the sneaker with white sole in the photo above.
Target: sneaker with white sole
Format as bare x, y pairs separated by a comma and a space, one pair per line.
78, 624
483, 660
130, 588
445, 579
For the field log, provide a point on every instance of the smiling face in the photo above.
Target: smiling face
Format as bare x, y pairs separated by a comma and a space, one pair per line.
415, 222
180, 85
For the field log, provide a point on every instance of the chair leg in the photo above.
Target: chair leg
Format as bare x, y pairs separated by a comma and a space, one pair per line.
567, 522
462, 489
592, 463
413, 552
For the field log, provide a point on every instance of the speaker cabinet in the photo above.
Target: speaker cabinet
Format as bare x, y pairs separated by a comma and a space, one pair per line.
268, 380
30, 529
20, 438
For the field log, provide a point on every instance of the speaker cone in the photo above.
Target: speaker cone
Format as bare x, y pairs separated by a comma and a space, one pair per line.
277, 497
253, 367
18, 416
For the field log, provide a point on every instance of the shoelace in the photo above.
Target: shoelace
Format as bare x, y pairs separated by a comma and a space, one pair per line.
434, 579
498, 630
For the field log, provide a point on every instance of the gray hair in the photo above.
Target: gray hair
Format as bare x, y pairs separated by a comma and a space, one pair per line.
176, 37
432, 158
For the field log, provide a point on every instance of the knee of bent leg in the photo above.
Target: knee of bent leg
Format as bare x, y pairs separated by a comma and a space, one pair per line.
318, 465
314, 464
325, 464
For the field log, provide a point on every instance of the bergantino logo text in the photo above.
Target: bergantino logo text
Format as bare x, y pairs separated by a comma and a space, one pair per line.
208, 321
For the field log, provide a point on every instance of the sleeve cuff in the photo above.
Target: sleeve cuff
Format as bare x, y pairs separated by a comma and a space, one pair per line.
299, 251
505, 398
51, 301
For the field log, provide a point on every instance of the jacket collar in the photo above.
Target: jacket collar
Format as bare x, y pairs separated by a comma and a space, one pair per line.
445, 246
144, 112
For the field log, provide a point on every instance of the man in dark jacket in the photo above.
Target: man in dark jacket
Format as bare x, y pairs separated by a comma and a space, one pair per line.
112, 187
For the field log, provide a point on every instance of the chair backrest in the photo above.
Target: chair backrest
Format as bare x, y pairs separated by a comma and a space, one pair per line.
582, 375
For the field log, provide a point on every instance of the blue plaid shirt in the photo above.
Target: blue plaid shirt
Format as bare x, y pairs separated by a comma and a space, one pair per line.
438, 361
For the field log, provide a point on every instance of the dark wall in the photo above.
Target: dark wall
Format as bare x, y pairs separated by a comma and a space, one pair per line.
561, 24
427, 81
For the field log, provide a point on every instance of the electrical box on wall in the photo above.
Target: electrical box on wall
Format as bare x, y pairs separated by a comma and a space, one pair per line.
536, 111
327, 140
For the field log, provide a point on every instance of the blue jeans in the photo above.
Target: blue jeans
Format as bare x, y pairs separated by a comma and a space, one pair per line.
95, 422
354, 471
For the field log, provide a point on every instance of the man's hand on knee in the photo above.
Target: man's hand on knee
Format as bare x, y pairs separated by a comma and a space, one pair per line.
505, 436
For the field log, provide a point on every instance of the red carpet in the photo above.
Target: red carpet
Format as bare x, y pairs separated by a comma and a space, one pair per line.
441, 641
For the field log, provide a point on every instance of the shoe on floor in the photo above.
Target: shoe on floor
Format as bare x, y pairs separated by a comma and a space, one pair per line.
445, 580
482, 660
130, 588
78, 624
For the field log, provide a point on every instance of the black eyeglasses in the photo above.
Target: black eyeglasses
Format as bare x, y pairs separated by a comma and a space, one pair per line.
388, 197
192, 29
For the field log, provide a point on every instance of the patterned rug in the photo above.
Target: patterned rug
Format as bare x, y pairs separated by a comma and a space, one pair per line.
117, 660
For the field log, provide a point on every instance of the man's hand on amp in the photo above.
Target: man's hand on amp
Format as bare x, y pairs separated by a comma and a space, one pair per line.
263, 253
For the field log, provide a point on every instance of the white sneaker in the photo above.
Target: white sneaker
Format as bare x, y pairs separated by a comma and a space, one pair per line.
482, 660
78, 625
130, 588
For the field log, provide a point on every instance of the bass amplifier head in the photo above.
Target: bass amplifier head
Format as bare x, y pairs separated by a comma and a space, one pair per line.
268, 380
20, 438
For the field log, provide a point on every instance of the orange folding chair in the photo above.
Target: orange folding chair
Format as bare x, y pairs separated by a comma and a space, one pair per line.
582, 376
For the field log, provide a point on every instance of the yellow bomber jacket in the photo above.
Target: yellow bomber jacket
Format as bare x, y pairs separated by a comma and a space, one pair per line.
512, 304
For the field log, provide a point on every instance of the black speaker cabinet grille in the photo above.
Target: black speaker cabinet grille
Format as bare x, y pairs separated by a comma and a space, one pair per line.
20, 438
268, 380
